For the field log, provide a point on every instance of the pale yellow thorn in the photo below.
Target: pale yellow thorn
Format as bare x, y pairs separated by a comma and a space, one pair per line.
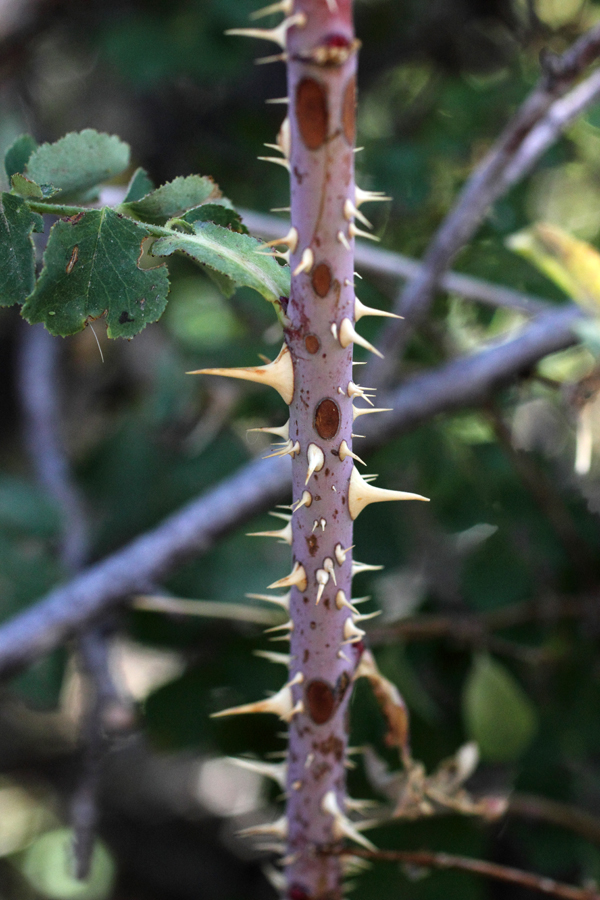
316, 460
276, 771
296, 578
345, 451
348, 335
278, 100
281, 209
341, 554
277, 160
361, 494
361, 196
329, 566
358, 567
282, 431
287, 626
290, 239
284, 6
332, 6
283, 602
322, 523
265, 60
350, 212
361, 310
341, 601
363, 411
277, 829
356, 390
370, 478
283, 659
343, 240
305, 500
342, 826
365, 616
296, 785
284, 535
306, 263
281, 704
352, 634
322, 578
341, 655
277, 35
288, 448
315, 526
279, 374
284, 138
355, 232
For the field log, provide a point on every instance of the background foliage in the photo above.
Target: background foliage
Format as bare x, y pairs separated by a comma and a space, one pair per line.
510, 522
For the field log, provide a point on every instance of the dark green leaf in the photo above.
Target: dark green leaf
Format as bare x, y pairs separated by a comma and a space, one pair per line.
232, 255
174, 198
498, 713
78, 162
90, 269
139, 186
217, 213
17, 257
15, 158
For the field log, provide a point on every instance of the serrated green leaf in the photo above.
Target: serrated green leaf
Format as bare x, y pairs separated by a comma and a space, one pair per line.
498, 713
17, 255
217, 213
174, 198
90, 269
140, 185
78, 162
30, 190
231, 255
15, 158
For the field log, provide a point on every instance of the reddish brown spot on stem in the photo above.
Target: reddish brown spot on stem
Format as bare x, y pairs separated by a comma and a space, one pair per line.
311, 113
312, 343
327, 419
320, 701
321, 279
349, 111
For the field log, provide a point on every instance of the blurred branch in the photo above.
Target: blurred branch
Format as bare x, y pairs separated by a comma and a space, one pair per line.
194, 529
429, 860
39, 385
537, 123
542, 809
395, 265
38, 394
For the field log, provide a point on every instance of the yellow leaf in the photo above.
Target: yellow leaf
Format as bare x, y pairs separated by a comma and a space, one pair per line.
572, 264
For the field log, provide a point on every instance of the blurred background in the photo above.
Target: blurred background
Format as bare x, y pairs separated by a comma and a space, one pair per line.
491, 591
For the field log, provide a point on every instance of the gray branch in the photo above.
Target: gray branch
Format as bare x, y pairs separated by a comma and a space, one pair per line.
193, 530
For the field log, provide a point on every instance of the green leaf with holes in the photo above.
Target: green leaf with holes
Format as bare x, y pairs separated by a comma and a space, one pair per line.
78, 162
230, 254
497, 712
174, 198
17, 257
91, 269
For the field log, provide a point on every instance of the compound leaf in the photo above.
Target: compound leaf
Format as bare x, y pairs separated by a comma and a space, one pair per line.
231, 255
174, 198
17, 256
91, 269
78, 162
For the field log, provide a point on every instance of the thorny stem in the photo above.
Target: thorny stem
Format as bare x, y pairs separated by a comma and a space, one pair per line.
321, 87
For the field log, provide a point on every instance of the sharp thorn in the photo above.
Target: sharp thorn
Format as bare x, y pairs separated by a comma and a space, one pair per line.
279, 374
361, 494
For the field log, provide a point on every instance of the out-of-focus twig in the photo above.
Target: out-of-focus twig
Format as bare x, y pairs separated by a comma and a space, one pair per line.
537, 123
107, 710
430, 860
